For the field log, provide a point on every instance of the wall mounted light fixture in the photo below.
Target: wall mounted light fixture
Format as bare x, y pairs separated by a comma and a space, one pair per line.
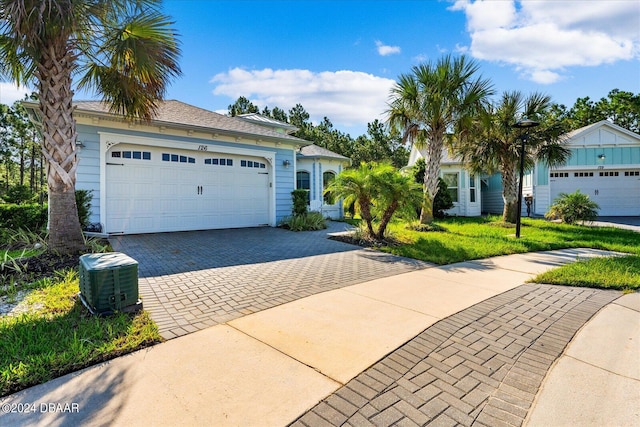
286, 163
601, 156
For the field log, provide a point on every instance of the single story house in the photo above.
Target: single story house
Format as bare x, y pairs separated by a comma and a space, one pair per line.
463, 185
315, 168
605, 164
187, 169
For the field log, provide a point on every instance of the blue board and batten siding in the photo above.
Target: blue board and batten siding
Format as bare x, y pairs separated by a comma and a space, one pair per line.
613, 156
285, 183
89, 173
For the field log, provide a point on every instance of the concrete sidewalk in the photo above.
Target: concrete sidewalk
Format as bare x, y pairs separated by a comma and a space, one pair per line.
272, 368
596, 382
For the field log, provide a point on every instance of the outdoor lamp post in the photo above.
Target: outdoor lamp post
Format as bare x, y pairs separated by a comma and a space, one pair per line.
522, 124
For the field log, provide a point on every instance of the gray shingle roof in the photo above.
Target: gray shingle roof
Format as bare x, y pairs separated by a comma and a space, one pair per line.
178, 113
317, 151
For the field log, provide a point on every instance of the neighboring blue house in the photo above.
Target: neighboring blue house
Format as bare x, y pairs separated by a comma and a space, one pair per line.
187, 169
605, 164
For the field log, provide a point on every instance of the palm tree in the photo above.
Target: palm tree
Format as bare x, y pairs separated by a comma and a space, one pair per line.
489, 143
428, 103
379, 190
124, 49
354, 186
396, 192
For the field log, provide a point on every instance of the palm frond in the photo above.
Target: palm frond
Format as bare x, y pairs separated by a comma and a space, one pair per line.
135, 65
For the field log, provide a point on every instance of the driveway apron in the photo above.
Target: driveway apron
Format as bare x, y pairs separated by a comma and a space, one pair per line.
193, 280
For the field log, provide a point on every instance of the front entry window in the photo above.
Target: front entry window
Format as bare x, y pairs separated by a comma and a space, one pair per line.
327, 178
303, 182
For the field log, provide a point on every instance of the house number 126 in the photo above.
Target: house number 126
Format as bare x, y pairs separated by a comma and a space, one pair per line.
202, 148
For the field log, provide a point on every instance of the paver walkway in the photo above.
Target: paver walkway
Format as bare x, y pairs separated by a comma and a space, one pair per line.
193, 280
482, 366
465, 344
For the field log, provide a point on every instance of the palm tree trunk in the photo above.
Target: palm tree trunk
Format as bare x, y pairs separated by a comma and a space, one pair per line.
59, 146
386, 218
365, 212
431, 176
509, 194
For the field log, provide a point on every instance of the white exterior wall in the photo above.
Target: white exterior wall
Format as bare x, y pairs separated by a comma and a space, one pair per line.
464, 206
316, 168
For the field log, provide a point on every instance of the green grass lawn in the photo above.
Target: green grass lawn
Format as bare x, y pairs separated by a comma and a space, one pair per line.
475, 238
62, 337
607, 273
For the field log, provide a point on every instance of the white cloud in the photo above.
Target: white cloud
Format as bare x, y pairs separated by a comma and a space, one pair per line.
348, 98
541, 39
10, 93
419, 58
384, 50
461, 48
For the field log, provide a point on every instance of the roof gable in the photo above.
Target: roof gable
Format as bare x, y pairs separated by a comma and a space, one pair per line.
602, 133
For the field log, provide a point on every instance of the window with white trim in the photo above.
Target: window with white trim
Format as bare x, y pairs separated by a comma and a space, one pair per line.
327, 178
451, 179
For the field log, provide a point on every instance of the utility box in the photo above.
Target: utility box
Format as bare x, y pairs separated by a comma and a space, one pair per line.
109, 283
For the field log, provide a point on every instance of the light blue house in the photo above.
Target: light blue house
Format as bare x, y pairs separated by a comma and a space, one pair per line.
605, 164
187, 169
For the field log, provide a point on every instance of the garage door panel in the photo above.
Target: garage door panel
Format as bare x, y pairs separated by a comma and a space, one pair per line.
617, 194
155, 195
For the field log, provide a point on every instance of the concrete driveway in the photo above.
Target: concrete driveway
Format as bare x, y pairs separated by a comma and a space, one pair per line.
626, 222
192, 280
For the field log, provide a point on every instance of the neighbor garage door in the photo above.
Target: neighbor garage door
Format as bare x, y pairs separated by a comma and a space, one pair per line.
617, 192
153, 190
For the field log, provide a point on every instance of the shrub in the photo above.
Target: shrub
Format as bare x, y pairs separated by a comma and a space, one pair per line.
27, 216
443, 199
425, 228
300, 199
83, 203
573, 207
18, 194
310, 221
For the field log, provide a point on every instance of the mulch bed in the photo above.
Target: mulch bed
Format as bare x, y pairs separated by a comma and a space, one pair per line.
365, 242
37, 267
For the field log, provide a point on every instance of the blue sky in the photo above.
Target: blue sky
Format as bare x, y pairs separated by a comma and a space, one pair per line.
340, 58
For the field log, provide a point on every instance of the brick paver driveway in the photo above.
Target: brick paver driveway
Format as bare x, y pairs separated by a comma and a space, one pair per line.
193, 280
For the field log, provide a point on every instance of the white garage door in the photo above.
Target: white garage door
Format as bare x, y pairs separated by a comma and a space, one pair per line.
617, 192
155, 189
